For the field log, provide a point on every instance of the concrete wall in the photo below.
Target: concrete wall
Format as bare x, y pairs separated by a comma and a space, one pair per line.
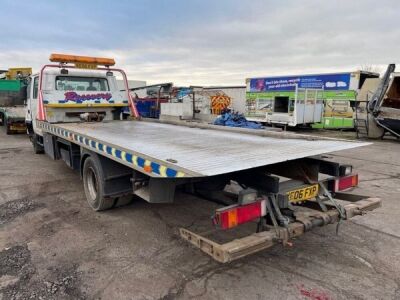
183, 110
133, 84
237, 94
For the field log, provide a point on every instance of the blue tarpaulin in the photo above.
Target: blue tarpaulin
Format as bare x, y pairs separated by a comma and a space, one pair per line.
231, 119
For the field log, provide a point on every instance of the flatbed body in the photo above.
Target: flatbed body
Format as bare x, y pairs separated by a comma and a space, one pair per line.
181, 151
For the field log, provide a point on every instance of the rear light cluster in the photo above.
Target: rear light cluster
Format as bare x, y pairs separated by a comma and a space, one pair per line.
344, 183
234, 215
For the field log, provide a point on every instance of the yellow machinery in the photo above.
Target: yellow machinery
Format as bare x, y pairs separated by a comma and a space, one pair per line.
17, 73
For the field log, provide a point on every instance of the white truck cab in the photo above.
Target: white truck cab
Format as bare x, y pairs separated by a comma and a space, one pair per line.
63, 93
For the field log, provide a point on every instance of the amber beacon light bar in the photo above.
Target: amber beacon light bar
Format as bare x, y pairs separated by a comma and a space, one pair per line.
65, 58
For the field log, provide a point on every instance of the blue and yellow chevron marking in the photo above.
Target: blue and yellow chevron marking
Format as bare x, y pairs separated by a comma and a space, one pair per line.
137, 161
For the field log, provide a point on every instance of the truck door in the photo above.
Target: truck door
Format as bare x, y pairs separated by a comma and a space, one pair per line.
32, 98
28, 117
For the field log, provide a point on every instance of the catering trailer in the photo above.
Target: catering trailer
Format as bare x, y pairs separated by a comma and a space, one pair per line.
336, 98
276, 181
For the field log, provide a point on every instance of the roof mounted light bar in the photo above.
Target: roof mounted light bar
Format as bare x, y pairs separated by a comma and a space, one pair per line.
66, 58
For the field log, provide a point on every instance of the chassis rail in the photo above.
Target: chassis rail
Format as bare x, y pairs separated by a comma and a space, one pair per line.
306, 219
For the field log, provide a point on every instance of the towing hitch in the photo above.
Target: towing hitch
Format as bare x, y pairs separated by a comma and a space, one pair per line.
306, 219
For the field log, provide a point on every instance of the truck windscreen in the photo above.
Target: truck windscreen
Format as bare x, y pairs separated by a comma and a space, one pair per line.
75, 83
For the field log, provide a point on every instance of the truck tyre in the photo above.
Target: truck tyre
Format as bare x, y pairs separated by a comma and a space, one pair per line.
37, 148
8, 129
1, 119
93, 183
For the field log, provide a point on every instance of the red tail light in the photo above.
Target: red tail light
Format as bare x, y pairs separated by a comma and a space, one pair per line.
234, 215
345, 183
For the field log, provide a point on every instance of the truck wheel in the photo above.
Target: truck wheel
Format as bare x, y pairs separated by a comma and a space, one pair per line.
8, 130
37, 148
1, 119
93, 183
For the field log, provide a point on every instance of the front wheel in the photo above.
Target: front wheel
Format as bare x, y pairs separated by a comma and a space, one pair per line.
8, 129
93, 183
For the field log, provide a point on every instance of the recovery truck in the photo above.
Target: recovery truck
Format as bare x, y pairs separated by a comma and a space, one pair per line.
12, 99
13, 118
275, 182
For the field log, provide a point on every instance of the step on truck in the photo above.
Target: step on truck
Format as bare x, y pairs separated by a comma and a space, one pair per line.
276, 183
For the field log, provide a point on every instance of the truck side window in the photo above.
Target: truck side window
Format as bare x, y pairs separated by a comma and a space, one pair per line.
35, 87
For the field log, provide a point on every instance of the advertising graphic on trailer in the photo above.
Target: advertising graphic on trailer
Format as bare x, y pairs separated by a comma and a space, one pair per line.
288, 83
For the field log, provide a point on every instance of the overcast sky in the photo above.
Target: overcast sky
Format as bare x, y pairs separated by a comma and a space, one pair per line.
204, 42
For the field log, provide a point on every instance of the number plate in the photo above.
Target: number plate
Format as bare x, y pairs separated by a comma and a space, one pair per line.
303, 194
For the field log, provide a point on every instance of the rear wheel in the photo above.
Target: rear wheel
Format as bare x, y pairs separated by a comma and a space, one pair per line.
93, 182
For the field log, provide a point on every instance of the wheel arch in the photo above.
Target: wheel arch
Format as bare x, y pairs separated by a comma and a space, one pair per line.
84, 155
117, 177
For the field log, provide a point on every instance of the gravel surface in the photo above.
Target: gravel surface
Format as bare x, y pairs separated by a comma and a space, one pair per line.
53, 246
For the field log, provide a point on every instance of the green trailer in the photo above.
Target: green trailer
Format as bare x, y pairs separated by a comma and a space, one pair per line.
338, 112
339, 95
338, 108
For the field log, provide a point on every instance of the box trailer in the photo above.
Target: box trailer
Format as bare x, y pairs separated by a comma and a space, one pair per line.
275, 180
